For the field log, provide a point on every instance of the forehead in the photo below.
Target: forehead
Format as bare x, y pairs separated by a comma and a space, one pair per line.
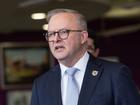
62, 20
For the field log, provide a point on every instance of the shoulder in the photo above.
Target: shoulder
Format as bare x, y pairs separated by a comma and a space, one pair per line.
110, 65
49, 75
117, 73
113, 67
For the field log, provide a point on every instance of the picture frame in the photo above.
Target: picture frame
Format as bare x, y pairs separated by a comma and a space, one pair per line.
21, 63
111, 58
18, 97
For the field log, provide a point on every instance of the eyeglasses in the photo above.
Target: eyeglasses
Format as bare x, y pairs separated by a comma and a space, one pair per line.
62, 34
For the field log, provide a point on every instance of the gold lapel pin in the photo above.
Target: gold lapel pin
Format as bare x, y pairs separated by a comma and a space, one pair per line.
94, 72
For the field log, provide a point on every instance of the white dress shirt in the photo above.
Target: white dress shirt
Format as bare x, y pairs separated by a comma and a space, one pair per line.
81, 65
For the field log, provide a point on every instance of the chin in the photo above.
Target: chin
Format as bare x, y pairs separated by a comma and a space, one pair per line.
60, 57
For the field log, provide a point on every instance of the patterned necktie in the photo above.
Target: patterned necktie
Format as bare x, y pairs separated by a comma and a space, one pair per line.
72, 92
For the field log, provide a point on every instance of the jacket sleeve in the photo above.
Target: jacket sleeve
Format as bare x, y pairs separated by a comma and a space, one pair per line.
125, 90
34, 97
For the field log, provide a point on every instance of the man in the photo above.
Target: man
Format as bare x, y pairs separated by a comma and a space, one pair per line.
98, 82
92, 44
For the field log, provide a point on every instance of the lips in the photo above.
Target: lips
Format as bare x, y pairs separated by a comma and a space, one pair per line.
59, 47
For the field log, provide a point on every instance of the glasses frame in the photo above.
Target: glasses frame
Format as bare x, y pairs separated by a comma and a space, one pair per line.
53, 33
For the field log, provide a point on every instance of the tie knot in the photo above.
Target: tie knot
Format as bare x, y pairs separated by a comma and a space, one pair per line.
71, 71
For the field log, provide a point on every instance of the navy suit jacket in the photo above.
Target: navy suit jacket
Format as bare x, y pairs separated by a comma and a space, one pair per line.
112, 85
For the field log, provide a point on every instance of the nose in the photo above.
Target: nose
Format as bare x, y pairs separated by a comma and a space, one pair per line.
56, 37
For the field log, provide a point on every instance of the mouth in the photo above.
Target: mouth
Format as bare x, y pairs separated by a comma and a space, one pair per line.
59, 48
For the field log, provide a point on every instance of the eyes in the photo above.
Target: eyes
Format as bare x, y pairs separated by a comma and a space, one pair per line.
62, 34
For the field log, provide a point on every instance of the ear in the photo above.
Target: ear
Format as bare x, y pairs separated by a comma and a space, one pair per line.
84, 36
96, 52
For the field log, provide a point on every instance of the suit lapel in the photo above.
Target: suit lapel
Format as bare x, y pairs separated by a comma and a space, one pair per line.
57, 86
92, 74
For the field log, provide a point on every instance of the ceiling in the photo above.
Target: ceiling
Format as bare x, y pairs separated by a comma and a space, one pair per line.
15, 14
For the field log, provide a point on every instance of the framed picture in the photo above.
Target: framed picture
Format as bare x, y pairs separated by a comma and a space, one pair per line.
19, 97
21, 63
111, 58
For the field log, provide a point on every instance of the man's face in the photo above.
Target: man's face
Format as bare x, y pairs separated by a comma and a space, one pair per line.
91, 48
69, 48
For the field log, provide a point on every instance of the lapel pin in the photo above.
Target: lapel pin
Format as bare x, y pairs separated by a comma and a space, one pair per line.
94, 72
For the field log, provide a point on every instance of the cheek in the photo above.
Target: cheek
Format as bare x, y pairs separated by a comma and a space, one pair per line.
73, 44
51, 47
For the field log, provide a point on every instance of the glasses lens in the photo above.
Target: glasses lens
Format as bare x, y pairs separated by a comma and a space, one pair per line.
63, 34
50, 36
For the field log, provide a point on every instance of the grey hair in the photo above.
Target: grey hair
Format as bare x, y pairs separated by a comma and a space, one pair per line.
81, 19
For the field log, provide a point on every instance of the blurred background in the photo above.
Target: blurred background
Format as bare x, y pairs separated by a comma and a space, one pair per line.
22, 24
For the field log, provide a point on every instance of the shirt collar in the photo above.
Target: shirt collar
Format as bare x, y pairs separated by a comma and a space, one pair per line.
81, 64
